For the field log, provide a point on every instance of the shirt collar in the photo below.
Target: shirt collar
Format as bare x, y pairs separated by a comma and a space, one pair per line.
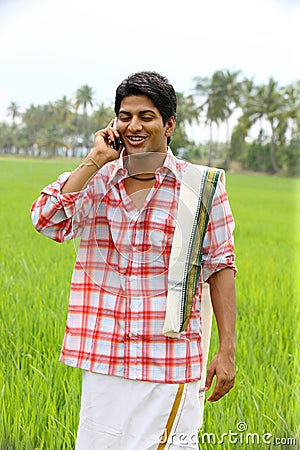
118, 170
170, 163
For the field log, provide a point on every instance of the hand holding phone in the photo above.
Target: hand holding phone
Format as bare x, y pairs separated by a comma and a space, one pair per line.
107, 144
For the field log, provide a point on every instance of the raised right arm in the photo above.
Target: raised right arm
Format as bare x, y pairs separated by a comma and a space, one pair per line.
61, 210
101, 154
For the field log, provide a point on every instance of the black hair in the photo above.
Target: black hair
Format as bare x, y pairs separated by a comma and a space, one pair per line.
155, 86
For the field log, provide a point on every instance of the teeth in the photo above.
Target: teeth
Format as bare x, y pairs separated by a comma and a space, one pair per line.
136, 138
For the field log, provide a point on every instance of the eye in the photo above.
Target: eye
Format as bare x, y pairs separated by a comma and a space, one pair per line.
124, 118
147, 118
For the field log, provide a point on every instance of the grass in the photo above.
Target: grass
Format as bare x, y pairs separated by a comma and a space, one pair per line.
266, 391
40, 397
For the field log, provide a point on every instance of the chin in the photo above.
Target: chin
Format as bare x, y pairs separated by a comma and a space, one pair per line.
136, 151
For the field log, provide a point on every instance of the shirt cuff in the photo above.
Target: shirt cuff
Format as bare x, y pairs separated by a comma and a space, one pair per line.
62, 201
224, 258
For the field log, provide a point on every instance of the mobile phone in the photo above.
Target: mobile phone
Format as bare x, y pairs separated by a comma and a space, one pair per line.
117, 142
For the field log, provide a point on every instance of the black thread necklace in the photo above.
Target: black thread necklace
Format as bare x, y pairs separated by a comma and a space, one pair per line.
138, 178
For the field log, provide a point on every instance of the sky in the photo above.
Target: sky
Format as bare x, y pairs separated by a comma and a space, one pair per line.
49, 48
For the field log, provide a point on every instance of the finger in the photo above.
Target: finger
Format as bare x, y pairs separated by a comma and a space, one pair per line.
217, 393
112, 128
113, 139
222, 387
209, 378
103, 140
107, 135
99, 136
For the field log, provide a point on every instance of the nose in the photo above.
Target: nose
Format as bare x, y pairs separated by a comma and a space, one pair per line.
135, 124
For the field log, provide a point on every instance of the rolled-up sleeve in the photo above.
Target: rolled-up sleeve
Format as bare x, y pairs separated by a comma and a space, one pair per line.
218, 244
61, 216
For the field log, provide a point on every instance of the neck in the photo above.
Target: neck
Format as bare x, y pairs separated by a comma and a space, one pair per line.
144, 164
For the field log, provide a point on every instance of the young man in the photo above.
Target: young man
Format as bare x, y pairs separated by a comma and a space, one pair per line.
141, 373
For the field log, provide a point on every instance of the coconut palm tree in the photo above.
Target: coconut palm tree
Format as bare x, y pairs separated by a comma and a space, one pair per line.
13, 111
212, 104
6, 138
187, 110
101, 116
229, 92
187, 113
292, 95
84, 97
51, 140
65, 119
267, 103
63, 109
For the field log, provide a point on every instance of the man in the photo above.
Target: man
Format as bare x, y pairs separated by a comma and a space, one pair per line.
140, 376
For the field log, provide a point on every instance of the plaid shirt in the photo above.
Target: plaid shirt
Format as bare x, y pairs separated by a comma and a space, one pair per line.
120, 280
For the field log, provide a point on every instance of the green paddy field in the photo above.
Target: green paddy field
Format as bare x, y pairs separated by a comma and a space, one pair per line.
40, 397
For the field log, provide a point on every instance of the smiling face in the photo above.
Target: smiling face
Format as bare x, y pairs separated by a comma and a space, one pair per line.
141, 126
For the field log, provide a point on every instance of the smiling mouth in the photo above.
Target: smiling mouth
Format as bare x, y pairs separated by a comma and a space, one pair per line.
135, 139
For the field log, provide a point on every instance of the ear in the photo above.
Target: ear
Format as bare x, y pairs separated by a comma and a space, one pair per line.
170, 126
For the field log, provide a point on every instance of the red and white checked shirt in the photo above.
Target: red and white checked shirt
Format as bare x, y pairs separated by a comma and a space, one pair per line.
120, 280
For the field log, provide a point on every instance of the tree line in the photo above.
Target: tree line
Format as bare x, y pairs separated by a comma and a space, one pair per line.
262, 123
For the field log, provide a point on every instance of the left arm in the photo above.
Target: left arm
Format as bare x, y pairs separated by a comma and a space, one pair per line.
219, 271
222, 291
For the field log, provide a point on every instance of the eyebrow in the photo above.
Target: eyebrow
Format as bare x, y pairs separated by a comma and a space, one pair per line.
145, 111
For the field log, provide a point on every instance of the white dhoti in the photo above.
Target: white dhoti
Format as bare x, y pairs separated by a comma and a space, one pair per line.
122, 414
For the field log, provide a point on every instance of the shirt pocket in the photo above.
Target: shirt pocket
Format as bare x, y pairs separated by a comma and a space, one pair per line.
160, 234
